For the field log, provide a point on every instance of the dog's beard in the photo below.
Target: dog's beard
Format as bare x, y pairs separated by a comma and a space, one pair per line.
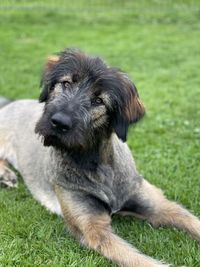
81, 144
77, 138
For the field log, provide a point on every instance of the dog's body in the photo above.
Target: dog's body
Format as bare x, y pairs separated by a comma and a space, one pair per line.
84, 171
24, 150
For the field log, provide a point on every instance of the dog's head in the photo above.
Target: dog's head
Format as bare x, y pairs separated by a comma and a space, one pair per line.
85, 100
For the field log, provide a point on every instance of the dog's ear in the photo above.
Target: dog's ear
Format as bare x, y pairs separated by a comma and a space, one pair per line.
45, 83
129, 110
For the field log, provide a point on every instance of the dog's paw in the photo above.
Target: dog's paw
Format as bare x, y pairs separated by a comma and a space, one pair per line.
8, 178
166, 265
154, 263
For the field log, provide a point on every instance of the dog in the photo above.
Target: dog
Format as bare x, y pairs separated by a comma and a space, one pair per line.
70, 149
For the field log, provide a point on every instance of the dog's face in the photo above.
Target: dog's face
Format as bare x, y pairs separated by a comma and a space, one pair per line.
85, 100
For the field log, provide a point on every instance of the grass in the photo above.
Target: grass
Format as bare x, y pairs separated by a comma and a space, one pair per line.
157, 43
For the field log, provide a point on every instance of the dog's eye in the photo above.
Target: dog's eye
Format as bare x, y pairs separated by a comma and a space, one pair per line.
66, 84
96, 101
51, 88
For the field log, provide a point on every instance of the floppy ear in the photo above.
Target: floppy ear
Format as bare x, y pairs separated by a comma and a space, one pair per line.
51, 63
129, 110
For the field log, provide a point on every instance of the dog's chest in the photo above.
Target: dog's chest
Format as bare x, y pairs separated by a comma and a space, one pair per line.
113, 182
118, 184
112, 186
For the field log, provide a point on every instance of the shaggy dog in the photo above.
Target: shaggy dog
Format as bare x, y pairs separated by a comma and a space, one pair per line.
81, 167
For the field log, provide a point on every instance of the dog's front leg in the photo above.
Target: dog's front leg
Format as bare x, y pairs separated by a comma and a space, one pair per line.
89, 221
150, 203
166, 212
7, 175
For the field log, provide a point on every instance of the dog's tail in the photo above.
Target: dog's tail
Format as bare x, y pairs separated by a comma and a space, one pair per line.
4, 101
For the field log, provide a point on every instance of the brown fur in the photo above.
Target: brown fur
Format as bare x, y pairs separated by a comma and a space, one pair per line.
94, 231
165, 212
135, 109
51, 61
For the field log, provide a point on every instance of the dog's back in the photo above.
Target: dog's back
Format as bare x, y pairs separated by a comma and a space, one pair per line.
15, 118
21, 147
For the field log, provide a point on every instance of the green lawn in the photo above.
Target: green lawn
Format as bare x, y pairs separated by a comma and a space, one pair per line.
158, 43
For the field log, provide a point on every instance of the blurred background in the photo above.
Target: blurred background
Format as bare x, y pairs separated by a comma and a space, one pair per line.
157, 42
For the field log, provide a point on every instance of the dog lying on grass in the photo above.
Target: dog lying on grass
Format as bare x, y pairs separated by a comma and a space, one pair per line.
81, 167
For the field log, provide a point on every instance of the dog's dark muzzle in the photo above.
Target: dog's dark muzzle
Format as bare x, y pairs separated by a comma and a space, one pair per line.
61, 121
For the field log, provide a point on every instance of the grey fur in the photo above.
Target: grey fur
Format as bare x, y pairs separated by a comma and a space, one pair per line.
24, 150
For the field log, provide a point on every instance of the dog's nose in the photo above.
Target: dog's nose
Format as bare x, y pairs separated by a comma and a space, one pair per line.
61, 121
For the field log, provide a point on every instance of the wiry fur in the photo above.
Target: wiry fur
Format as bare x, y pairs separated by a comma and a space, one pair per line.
83, 170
